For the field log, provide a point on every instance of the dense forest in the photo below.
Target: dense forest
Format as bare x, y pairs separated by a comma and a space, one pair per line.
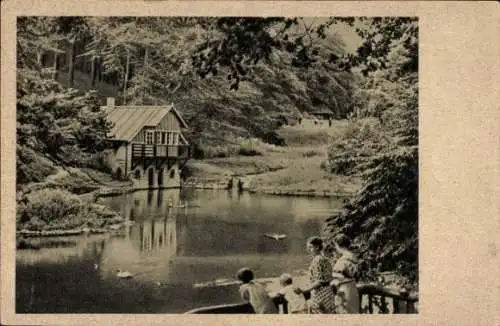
238, 77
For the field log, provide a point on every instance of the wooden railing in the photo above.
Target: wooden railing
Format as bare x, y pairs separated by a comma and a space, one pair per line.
159, 151
236, 308
374, 299
385, 300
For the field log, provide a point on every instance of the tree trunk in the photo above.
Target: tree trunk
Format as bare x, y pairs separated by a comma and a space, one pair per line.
99, 68
145, 70
93, 72
146, 57
126, 78
56, 65
71, 64
39, 60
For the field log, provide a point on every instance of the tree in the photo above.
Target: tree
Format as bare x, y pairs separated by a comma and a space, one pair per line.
383, 217
52, 119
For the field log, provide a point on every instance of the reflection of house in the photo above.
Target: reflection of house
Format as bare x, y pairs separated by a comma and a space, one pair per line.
158, 235
150, 145
154, 203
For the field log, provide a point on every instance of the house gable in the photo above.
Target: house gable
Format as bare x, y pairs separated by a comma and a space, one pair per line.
129, 122
170, 124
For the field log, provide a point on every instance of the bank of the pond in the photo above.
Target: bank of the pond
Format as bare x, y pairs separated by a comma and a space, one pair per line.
99, 219
65, 204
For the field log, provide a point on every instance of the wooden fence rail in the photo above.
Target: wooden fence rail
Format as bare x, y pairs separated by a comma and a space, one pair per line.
373, 300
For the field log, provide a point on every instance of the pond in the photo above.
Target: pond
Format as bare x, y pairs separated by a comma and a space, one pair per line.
169, 249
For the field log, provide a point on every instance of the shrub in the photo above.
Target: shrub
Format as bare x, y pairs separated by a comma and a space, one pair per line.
50, 209
50, 205
31, 166
74, 157
362, 140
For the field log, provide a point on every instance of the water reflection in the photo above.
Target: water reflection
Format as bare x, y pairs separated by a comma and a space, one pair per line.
168, 248
155, 235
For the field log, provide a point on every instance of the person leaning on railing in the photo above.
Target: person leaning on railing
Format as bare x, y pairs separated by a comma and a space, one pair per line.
345, 270
255, 293
320, 275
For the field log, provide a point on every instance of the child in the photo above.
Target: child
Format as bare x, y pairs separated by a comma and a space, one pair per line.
296, 302
255, 293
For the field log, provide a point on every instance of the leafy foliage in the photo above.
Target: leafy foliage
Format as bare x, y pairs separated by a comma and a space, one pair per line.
31, 167
350, 153
51, 118
48, 209
165, 66
383, 217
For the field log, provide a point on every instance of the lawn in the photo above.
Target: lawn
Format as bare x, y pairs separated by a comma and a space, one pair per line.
296, 167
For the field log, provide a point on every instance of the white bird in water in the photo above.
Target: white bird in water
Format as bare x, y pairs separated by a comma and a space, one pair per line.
123, 274
275, 236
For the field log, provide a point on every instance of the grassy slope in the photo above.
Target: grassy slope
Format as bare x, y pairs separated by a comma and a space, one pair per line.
291, 168
79, 181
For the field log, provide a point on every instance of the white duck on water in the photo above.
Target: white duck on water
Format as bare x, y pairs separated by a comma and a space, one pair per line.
275, 236
123, 274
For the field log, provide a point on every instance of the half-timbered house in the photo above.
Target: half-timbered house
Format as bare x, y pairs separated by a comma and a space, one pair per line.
150, 147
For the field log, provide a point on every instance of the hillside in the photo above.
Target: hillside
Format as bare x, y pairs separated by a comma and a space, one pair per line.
298, 168
159, 55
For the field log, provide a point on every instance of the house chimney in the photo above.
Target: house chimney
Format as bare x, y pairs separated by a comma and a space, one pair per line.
110, 102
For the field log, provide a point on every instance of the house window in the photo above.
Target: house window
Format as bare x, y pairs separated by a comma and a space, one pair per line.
149, 137
158, 137
176, 139
169, 138
163, 138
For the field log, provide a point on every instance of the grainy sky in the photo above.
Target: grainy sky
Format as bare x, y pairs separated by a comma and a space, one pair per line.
349, 36
347, 33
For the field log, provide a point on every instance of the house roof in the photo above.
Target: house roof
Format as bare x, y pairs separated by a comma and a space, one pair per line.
129, 120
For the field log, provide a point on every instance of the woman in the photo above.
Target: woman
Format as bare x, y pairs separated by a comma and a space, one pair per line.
345, 271
320, 276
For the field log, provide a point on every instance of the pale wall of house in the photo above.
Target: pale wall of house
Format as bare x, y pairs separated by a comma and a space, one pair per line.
171, 177
120, 158
170, 122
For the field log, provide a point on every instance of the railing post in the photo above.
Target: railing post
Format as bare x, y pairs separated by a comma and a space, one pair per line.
360, 303
410, 307
383, 305
395, 306
370, 303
